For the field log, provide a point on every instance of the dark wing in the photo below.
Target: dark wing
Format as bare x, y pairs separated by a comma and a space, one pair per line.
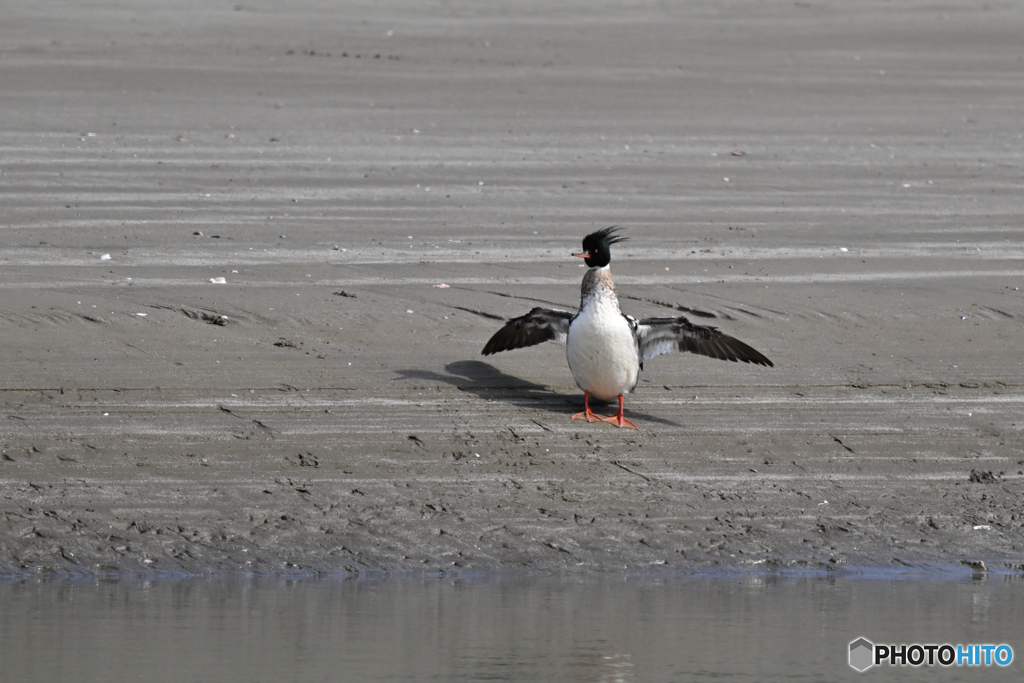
668, 335
539, 325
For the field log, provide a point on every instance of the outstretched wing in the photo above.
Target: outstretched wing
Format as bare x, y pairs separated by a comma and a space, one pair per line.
668, 335
539, 325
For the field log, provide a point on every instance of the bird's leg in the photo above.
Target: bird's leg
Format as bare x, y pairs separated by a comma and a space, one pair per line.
587, 414
618, 419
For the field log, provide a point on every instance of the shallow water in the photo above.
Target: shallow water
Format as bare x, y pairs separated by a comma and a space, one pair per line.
756, 628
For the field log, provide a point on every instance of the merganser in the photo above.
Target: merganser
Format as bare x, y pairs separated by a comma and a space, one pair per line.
606, 348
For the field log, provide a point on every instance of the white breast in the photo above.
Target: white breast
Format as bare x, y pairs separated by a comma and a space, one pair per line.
601, 351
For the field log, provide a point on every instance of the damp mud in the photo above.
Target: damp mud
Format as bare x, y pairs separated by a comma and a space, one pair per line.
251, 255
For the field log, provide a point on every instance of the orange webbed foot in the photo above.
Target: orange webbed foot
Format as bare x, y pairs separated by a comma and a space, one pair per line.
618, 419
587, 413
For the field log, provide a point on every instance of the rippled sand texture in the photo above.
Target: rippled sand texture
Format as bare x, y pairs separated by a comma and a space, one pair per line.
837, 185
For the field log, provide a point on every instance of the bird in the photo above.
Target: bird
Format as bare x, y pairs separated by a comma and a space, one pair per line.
606, 348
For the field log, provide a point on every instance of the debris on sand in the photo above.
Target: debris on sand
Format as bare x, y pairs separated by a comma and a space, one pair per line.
983, 477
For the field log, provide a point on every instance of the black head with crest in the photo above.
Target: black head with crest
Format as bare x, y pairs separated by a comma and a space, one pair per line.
597, 251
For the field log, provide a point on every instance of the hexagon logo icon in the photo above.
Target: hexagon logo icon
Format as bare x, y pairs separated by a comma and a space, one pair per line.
862, 653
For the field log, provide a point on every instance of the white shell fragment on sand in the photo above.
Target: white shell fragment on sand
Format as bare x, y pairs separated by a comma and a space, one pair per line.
105, 257
219, 280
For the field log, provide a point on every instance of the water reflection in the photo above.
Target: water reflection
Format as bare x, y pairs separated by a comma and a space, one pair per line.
761, 628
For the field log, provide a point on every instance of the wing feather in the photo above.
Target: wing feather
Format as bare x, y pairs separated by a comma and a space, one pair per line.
537, 326
668, 335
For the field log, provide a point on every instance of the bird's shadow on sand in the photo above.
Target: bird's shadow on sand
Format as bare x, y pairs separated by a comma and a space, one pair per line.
491, 384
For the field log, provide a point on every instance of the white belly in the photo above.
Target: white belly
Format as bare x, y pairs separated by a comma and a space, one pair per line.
602, 353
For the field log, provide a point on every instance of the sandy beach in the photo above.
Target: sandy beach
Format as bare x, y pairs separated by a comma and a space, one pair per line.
250, 256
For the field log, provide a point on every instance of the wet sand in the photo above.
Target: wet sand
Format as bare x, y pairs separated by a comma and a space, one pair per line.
838, 186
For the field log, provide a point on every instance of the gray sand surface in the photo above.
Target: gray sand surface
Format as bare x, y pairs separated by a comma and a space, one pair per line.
837, 184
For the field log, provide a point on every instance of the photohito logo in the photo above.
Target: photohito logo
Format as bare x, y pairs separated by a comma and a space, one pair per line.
864, 654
